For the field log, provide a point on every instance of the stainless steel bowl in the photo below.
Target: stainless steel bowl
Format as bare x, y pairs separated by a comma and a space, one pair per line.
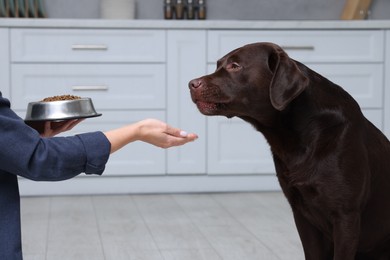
60, 110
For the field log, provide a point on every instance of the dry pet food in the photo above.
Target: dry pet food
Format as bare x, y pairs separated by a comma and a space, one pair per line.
59, 98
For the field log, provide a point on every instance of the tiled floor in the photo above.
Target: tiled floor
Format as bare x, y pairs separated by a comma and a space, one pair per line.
231, 226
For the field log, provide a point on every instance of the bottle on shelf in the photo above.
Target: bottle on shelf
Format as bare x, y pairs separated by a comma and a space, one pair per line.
179, 9
168, 9
201, 9
190, 7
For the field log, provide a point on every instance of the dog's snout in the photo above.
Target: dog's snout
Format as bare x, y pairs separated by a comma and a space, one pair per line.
195, 83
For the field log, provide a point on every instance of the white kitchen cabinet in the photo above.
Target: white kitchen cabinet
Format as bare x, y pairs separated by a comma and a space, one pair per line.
4, 62
123, 71
187, 60
387, 86
235, 147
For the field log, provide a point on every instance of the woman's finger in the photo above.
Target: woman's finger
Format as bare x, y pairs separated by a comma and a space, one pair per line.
175, 131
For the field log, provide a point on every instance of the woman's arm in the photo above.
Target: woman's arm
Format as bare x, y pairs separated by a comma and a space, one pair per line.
24, 152
151, 131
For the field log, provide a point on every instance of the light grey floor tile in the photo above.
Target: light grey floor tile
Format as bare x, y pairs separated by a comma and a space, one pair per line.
123, 231
231, 226
269, 218
34, 256
227, 235
120, 253
77, 255
168, 224
35, 214
191, 254
233, 242
73, 230
204, 211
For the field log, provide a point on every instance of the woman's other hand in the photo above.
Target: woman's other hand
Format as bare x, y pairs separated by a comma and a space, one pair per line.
51, 129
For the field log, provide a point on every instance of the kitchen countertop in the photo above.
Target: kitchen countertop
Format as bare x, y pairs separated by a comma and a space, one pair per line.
195, 24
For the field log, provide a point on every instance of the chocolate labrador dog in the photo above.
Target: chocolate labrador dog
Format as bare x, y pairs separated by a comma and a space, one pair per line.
333, 165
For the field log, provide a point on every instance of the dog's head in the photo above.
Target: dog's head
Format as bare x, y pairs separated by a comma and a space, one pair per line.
255, 78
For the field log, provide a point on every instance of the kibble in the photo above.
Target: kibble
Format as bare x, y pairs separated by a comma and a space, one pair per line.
59, 98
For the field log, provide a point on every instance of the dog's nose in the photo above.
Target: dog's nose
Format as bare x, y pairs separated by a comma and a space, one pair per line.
195, 83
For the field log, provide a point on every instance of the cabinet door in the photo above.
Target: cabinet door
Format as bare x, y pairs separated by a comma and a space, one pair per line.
4, 63
235, 147
387, 86
186, 60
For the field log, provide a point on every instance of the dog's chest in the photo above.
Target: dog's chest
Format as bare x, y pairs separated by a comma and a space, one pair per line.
311, 200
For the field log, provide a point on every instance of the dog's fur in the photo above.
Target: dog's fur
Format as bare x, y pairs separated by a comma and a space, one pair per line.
333, 165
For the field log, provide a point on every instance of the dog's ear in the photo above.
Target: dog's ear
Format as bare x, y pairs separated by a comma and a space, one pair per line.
287, 82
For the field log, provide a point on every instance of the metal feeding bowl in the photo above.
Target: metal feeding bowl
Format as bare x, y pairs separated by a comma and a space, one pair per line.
60, 110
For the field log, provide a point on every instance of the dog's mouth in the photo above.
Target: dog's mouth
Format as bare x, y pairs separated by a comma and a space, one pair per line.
211, 108
210, 101
207, 108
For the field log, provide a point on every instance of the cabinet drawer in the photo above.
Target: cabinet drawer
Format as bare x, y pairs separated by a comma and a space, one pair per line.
82, 45
363, 81
114, 86
305, 46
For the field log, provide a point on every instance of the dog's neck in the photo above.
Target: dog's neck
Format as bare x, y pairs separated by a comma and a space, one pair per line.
282, 140
297, 130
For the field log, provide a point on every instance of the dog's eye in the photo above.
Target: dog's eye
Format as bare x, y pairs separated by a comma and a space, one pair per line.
233, 66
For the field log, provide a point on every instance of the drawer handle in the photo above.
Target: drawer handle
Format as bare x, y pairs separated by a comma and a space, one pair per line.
90, 88
298, 48
89, 47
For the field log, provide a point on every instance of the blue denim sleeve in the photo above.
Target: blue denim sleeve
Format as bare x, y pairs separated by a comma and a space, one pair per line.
97, 151
23, 152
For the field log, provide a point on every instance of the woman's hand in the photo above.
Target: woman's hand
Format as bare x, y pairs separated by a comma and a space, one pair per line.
151, 131
161, 134
51, 129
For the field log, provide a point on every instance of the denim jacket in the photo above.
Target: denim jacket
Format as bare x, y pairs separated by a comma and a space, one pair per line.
23, 152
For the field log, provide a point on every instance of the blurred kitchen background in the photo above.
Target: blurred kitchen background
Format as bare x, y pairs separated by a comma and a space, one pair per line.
224, 9
232, 207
